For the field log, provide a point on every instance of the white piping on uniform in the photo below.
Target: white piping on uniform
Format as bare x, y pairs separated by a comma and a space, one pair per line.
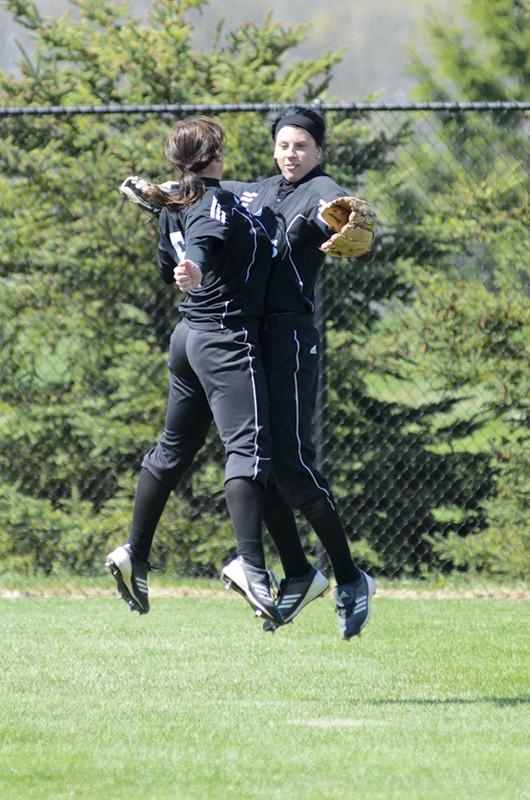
246, 216
255, 397
298, 278
224, 314
254, 238
297, 425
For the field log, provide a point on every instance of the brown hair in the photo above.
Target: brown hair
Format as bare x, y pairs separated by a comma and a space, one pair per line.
191, 145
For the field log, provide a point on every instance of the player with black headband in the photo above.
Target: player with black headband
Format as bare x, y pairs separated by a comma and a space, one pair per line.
221, 255
291, 205
308, 215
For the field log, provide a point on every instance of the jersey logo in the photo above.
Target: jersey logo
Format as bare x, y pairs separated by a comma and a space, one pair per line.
177, 240
247, 198
216, 211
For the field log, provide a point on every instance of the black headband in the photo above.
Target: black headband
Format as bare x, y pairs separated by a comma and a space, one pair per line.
301, 121
200, 165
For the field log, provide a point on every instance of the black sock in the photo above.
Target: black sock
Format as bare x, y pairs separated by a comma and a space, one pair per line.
328, 527
244, 499
281, 524
150, 500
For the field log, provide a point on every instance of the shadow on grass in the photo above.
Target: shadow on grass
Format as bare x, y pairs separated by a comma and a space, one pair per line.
498, 701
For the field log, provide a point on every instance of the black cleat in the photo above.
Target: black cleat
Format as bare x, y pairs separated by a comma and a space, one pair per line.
354, 604
296, 593
130, 574
255, 586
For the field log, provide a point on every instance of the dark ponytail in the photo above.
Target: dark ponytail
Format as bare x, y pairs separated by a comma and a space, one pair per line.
191, 145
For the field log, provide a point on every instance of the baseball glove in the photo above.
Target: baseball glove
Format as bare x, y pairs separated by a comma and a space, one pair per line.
353, 221
146, 195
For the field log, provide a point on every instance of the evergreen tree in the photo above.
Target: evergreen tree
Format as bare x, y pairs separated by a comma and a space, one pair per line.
484, 59
424, 437
467, 330
84, 318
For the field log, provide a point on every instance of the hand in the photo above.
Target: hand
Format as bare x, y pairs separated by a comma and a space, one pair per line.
187, 275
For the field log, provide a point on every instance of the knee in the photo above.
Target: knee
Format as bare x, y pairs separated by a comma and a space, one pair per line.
286, 493
317, 506
239, 467
167, 468
306, 497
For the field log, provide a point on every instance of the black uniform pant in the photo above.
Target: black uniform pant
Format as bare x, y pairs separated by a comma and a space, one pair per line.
222, 375
217, 374
291, 355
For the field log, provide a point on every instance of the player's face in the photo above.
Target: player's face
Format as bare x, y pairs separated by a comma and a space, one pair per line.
296, 153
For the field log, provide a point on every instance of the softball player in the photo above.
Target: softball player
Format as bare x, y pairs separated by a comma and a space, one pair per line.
289, 205
215, 366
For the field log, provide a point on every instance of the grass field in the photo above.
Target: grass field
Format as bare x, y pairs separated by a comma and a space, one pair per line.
195, 702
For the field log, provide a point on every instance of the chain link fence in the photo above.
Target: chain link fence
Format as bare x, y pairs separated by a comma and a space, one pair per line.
422, 417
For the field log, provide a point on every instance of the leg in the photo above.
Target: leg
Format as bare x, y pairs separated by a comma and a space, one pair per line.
188, 418
292, 371
229, 366
244, 500
281, 524
303, 582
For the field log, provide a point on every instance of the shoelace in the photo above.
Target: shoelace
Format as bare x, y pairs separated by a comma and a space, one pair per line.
345, 610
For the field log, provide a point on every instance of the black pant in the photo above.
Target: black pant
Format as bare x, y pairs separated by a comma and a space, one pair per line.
290, 351
217, 374
290, 347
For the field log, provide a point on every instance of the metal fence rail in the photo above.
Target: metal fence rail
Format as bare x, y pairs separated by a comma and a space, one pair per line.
263, 108
422, 419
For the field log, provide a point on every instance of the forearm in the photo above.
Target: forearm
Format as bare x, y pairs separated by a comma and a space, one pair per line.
165, 264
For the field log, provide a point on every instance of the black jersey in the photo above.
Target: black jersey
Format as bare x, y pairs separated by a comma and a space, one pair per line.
291, 214
230, 246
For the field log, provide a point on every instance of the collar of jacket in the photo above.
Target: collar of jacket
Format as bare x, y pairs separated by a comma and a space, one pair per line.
286, 187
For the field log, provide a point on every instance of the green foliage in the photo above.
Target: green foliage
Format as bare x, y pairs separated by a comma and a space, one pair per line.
461, 218
486, 61
470, 344
84, 318
426, 431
